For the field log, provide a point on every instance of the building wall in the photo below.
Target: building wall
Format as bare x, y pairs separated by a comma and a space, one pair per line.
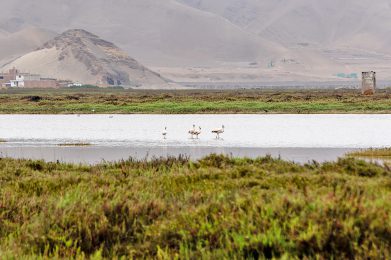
13, 78
27, 76
13, 83
369, 83
12, 74
63, 83
40, 84
2, 81
8, 76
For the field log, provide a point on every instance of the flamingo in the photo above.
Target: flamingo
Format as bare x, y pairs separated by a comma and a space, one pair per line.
192, 132
218, 132
197, 132
164, 133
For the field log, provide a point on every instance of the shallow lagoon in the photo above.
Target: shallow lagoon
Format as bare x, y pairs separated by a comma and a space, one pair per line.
113, 137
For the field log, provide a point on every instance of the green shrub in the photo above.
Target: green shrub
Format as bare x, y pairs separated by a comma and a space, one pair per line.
216, 208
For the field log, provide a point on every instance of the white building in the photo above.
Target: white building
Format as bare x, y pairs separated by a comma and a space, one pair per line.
15, 79
19, 81
75, 84
13, 84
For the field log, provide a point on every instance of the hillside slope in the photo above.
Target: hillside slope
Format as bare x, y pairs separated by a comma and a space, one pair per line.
288, 22
13, 45
325, 37
157, 32
78, 55
246, 40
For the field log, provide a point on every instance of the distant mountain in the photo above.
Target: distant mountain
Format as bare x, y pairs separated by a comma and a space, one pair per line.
78, 55
324, 38
14, 24
3, 33
329, 23
285, 40
155, 32
15, 44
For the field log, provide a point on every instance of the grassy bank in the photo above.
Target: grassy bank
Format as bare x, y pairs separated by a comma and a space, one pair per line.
214, 208
384, 152
192, 101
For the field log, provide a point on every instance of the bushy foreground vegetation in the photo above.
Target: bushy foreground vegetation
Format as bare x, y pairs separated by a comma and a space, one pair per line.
69, 101
217, 207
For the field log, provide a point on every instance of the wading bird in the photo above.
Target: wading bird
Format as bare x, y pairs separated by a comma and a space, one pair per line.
218, 132
197, 132
192, 132
164, 133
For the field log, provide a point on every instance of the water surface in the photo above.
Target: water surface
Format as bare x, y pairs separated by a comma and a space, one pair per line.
113, 137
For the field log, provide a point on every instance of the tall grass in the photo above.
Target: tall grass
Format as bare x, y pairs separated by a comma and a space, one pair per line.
383, 152
217, 207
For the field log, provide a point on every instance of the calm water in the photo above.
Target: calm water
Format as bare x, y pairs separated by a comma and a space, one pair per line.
294, 137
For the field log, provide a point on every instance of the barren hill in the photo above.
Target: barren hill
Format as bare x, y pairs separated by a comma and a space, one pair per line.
78, 55
306, 21
225, 40
155, 32
324, 38
15, 44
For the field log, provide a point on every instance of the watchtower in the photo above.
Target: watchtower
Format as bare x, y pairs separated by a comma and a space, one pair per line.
368, 83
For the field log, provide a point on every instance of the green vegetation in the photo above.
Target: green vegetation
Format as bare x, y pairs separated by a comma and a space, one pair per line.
384, 152
116, 100
84, 87
217, 207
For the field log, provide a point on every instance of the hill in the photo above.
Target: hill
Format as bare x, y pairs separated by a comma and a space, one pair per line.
15, 44
156, 32
330, 36
246, 40
329, 23
78, 55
